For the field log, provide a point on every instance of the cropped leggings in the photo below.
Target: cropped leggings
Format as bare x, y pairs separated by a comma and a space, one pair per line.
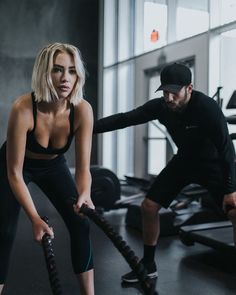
54, 179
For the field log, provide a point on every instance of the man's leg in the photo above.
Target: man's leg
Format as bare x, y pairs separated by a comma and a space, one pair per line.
151, 222
151, 231
163, 190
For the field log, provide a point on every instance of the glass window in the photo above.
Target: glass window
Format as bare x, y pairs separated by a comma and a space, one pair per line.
227, 61
156, 141
125, 102
222, 12
227, 78
125, 32
192, 18
110, 32
118, 97
150, 17
109, 102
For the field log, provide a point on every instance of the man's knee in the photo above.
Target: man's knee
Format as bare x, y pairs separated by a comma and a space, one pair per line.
150, 207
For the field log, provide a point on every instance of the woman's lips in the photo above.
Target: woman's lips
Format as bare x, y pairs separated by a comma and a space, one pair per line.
64, 88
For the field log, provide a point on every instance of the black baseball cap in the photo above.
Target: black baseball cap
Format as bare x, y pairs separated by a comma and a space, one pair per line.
174, 77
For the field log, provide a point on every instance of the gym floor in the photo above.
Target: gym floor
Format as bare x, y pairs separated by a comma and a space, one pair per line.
182, 269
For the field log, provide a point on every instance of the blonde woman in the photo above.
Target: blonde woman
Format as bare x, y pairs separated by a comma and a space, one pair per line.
41, 127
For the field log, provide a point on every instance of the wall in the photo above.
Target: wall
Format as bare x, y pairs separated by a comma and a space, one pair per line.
28, 25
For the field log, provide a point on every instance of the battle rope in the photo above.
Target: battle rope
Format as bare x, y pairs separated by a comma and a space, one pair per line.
50, 262
146, 284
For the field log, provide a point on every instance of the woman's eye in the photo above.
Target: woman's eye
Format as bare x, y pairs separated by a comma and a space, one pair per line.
73, 72
56, 70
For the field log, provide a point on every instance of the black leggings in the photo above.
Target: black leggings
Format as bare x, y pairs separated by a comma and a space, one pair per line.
54, 179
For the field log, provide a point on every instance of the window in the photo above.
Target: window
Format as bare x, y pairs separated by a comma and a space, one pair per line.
192, 18
125, 136
222, 12
110, 32
227, 78
149, 16
118, 97
125, 30
156, 140
109, 102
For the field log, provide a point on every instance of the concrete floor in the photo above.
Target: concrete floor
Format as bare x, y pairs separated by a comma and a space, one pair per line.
182, 270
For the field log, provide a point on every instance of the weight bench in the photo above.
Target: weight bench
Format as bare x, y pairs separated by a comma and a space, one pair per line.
217, 235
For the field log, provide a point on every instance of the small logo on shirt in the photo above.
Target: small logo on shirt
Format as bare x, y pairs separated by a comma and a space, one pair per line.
191, 127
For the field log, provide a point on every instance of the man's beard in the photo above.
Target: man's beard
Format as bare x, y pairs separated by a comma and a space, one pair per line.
181, 106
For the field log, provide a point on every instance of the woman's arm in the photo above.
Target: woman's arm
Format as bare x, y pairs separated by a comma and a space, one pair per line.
83, 144
20, 122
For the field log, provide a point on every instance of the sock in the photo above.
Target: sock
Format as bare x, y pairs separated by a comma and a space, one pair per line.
149, 253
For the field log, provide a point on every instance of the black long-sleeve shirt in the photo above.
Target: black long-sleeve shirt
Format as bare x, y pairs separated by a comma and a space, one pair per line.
200, 132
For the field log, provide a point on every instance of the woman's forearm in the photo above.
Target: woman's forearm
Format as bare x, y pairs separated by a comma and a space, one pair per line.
83, 182
23, 196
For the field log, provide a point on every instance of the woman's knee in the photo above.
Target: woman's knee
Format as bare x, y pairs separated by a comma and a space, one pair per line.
79, 226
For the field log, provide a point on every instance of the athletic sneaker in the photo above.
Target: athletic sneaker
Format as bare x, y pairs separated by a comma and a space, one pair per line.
131, 277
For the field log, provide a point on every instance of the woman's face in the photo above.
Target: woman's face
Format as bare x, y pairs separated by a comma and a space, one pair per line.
64, 75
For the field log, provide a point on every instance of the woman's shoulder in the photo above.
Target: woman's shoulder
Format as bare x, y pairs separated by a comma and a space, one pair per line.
83, 106
23, 104
83, 113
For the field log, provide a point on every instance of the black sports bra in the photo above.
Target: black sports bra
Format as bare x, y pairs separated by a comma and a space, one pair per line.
31, 142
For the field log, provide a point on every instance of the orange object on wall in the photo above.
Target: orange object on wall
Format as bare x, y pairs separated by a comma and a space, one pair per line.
154, 36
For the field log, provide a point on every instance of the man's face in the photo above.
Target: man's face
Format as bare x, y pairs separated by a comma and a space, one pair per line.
178, 101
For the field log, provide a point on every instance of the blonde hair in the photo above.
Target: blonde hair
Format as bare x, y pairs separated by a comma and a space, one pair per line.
41, 78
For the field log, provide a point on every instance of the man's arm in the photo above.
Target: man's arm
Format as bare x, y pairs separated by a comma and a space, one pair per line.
217, 130
140, 115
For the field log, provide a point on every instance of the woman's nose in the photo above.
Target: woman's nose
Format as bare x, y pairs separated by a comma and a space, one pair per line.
65, 76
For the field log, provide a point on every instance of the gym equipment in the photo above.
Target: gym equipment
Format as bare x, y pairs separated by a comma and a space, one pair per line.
51, 263
232, 101
192, 206
218, 99
105, 189
123, 248
218, 236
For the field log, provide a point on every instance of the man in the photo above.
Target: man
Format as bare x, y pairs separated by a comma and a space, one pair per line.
205, 152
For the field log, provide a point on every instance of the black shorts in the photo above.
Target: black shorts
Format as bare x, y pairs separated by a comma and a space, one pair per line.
179, 173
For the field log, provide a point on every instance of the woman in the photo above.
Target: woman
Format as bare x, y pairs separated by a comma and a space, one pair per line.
40, 130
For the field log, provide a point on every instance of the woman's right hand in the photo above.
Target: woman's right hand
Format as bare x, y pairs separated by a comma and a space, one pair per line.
40, 227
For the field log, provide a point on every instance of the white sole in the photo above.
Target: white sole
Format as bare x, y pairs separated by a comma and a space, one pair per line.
152, 275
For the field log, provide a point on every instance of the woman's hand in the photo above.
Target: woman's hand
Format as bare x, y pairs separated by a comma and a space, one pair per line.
40, 227
83, 199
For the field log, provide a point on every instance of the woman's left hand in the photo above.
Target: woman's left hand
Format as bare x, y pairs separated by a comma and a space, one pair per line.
83, 199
